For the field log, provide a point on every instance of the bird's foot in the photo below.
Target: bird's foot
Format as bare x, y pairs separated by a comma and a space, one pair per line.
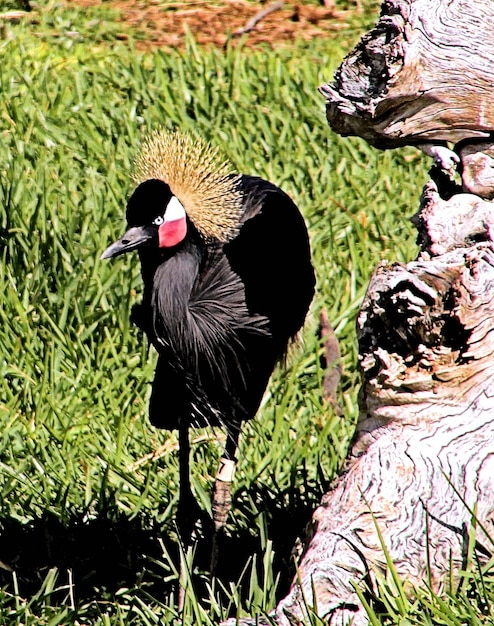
222, 498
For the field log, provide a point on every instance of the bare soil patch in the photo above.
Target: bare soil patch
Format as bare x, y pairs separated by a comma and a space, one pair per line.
213, 23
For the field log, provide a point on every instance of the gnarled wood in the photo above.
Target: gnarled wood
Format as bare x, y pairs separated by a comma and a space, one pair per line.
477, 174
423, 455
423, 74
422, 458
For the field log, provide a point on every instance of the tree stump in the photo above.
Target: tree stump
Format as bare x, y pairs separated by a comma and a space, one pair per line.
423, 74
422, 459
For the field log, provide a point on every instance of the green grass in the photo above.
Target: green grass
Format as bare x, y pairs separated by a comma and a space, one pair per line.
86, 514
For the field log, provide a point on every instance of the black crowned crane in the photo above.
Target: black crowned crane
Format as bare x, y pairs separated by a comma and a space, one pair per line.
228, 281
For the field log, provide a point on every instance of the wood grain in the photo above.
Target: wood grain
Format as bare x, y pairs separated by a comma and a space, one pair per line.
423, 455
424, 73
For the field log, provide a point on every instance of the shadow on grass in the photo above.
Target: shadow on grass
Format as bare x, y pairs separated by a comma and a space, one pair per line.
110, 551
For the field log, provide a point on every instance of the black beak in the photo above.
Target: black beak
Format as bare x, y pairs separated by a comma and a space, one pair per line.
133, 238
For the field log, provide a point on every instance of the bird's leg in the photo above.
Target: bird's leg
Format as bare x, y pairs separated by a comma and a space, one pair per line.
222, 497
185, 496
186, 510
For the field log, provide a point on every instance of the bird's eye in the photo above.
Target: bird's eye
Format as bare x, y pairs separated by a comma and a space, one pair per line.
159, 220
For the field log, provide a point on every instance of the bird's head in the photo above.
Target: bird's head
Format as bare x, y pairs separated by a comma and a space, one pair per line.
181, 181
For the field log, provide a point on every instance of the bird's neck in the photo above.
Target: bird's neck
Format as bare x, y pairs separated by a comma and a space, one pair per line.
175, 277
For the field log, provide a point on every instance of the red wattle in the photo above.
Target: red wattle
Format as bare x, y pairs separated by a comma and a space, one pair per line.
172, 233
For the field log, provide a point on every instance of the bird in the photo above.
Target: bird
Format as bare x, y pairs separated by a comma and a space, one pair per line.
227, 284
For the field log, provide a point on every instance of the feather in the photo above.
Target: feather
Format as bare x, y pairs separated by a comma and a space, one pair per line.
203, 324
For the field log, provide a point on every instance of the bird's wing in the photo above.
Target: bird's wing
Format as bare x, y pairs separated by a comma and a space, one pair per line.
271, 255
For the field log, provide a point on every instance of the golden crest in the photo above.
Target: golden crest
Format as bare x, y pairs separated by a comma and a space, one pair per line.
198, 176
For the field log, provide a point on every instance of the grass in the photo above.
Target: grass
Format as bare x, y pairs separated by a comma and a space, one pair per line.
86, 510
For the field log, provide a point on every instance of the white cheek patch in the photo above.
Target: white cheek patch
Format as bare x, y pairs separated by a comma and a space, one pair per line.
174, 210
174, 228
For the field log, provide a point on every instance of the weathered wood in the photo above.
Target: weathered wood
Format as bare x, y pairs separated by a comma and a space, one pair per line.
477, 174
422, 458
423, 455
425, 73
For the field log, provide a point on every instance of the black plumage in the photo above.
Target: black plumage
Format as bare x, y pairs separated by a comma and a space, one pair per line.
221, 304
220, 315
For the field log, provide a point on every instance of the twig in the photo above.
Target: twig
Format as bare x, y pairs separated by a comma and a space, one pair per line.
169, 446
252, 23
12, 16
331, 361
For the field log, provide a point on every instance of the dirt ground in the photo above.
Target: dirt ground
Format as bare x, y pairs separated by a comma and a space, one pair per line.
254, 23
